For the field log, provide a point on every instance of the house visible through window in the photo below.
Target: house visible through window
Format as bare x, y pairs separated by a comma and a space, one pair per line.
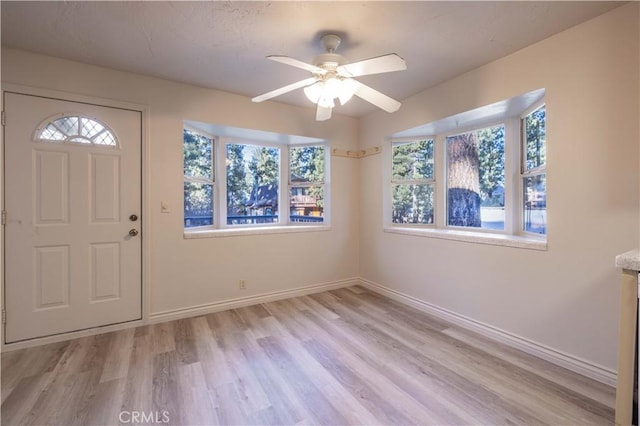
253, 182
306, 182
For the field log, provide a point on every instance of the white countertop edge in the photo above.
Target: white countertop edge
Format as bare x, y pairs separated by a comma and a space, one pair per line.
629, 260
261, 230
515, 241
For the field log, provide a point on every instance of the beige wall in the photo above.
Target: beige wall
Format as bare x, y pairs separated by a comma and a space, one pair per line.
186, 273
567, 297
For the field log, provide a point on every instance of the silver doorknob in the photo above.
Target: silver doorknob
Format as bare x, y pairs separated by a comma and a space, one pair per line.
133, 232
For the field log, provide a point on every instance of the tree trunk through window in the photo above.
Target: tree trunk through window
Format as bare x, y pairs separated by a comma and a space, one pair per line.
463, 180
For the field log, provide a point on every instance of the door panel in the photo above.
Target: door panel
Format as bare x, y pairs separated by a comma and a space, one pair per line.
70, 261
51, 187
105, 271
105, 188
52, 276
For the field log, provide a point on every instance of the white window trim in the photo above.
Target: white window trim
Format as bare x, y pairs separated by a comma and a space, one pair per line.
220, 228
513, 234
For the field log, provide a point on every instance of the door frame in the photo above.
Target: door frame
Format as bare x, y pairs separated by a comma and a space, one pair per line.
144, 202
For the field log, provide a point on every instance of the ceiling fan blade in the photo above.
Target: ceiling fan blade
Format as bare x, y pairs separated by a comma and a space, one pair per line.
285, 89
377, 65
373, 96
323, 113
296, 63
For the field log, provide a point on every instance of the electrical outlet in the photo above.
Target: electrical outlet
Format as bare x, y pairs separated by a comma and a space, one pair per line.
242, 284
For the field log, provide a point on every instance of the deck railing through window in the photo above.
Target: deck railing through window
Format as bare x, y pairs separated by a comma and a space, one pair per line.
205, 218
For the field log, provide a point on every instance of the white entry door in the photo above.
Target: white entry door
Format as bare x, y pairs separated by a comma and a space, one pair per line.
73, 204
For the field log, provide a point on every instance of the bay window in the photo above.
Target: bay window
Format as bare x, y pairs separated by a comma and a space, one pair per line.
477, 176
239, 183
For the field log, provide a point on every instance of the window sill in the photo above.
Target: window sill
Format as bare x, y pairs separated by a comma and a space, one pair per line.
263, 230
516, 241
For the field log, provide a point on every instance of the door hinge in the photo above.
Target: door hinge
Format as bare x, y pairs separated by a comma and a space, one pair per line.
4, 316
4, 217
4, 118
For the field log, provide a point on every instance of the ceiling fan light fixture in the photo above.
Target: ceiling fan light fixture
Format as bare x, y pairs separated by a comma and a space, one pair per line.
347, 91
324, 92
314, 91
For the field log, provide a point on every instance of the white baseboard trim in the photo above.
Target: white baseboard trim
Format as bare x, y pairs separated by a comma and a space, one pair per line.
224, 305
184, 313
554, 356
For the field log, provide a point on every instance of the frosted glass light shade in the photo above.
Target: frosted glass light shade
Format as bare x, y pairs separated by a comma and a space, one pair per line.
314, 91
324, 92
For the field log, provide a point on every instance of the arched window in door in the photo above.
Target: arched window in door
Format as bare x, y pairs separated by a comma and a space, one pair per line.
75, 128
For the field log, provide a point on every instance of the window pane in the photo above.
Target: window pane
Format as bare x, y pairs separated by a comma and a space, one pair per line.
306, 204
306, 164
413, 160
89, 128
68, 125
475, 178
51, 133
535, 128
252, 184
105, 138
198, 204
198, 160
535, 204
412, 204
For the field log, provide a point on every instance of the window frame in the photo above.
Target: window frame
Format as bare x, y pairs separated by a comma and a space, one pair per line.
219, 226
526, 173
395, 182
513, 234
204, 181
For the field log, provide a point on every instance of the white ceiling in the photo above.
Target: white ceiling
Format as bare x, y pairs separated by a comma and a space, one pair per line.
222, 45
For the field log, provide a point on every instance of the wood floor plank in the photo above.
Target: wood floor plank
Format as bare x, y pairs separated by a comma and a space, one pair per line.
185, 342
118, 355
138, 390
195, 403
346, 356
166, 390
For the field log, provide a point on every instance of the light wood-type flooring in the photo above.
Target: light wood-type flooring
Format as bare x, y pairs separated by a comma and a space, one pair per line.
347, 356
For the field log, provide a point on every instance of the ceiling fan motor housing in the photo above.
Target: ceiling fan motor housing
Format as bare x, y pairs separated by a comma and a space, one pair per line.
329, 61
330, 42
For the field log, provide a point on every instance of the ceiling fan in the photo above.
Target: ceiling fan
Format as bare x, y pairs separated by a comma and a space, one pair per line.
333, 79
